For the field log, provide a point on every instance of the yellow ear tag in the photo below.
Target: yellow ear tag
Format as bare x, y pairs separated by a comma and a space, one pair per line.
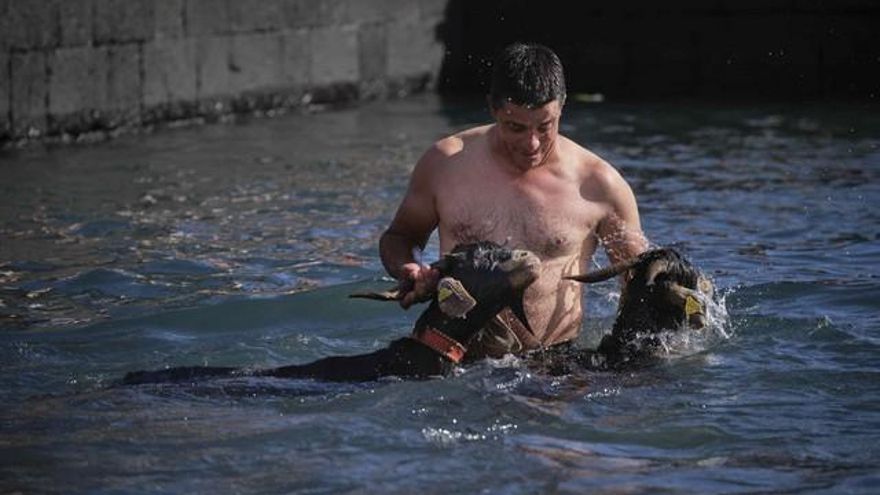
443, 293
692, 306
453, 299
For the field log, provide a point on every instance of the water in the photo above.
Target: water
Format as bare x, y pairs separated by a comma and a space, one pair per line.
236, 245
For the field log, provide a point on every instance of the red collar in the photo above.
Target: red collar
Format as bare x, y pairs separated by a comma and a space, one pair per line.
442, 343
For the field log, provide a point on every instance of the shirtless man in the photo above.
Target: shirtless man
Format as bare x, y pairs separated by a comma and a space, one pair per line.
519, 183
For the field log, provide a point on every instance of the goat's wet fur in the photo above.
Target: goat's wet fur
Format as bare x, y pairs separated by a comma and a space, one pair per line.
478, 280
663, 292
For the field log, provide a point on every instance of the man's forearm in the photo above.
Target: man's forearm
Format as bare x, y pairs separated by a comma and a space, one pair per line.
395, 250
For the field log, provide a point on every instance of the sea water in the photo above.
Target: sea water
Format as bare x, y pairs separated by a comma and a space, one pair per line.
237, 244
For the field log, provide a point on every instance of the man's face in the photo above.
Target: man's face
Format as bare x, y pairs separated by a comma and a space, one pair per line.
527, 134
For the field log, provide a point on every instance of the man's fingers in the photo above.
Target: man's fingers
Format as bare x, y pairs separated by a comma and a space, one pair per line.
407, 300
419, 283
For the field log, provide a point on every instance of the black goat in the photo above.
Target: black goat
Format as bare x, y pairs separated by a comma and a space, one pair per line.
478, 280
663, 292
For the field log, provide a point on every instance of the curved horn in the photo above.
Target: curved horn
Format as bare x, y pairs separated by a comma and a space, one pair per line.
679, 294
388, 295
443, 265
655, 269
691, 302
604, 273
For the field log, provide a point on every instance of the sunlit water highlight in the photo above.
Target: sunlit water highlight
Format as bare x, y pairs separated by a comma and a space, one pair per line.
237, 244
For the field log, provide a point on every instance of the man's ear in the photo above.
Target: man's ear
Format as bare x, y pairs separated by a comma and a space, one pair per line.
454, 300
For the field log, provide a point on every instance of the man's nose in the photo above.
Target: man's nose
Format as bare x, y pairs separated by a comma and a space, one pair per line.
534, 142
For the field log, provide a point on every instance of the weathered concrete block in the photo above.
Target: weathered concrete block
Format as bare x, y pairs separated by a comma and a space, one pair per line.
302, 13
255, 62
124, 86
433, 9
296, 58
334, 54
413, 49
402, 10
169, 16
353, 12
169, 71
124, 20
77, 81
29, 92
372, 51
5, 95
247, 16
75, 17
213, 66
206, 17
31, 24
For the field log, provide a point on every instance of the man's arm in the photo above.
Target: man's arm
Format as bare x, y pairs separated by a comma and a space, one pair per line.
620, 231
409, 231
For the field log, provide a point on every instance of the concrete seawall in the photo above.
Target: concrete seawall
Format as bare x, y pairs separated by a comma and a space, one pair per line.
72, 66
68, 67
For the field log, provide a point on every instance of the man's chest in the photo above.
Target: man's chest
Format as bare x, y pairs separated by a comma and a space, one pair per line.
551, 219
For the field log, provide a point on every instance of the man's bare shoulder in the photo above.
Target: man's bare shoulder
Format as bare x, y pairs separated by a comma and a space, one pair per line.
435, 165
456, 143
598, 178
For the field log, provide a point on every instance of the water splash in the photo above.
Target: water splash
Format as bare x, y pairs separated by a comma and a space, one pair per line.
621, 240
678, 343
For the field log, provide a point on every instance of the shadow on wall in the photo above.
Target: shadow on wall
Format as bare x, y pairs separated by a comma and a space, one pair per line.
645, 49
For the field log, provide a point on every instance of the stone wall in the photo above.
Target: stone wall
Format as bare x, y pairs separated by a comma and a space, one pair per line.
72, 66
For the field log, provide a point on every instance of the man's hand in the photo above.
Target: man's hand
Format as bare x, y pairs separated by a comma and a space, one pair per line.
418, 283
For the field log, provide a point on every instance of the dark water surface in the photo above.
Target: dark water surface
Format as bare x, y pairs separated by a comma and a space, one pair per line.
236, 245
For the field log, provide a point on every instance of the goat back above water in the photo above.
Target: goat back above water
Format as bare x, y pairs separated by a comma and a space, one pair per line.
479, 280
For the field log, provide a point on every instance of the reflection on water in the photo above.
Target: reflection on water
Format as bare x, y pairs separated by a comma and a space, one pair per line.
237, 245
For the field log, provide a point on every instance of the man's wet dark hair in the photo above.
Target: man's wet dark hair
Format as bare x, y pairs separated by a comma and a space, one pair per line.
527, 74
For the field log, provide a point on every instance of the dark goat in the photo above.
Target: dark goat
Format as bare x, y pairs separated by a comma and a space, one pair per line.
663, 292
479, 280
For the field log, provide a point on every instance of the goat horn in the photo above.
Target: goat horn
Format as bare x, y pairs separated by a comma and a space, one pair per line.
442, 265
691, 302
656, 268
604, 273
388, 295
679, 294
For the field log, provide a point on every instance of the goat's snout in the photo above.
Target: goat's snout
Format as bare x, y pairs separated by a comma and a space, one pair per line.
691, 301
523, 267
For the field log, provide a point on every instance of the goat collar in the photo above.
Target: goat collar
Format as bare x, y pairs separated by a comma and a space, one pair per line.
450, 348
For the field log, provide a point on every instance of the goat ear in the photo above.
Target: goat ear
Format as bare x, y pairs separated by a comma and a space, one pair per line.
453, 299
